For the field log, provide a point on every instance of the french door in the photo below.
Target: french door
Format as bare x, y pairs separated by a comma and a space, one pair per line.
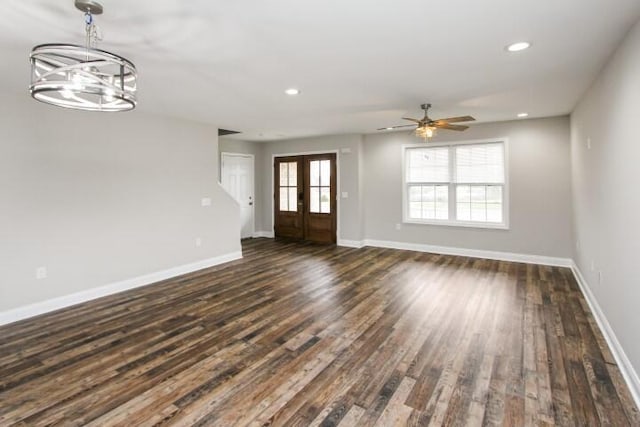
305, 197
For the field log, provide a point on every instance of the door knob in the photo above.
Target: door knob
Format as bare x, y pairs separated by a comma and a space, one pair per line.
250, 203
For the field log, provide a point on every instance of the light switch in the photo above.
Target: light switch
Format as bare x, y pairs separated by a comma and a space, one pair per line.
345, 195
206, 201
345, 150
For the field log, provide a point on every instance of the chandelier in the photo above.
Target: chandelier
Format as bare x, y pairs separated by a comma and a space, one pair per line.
83, 77
425, 132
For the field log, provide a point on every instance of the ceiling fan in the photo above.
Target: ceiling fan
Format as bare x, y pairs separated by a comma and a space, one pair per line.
425, 127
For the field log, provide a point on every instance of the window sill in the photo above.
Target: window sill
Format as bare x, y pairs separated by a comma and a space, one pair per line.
466, 224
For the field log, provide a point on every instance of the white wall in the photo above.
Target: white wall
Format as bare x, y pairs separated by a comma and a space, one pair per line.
539, 187
349, 178
98, 198
606, 198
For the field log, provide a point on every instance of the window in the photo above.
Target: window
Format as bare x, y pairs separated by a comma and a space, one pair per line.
320, 186
457, 184
288, 186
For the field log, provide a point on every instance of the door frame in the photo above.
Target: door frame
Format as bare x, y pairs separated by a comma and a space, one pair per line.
253, 164
306, 153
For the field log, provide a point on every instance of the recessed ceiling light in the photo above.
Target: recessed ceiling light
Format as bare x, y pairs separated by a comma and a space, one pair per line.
523, 115
388, 128
292, 91
517, 47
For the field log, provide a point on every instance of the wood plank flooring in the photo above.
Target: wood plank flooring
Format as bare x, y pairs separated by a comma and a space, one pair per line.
298, 334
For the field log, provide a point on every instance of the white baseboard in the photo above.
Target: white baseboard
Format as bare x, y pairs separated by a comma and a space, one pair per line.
351, 243
38, 308
267, 234
474, 253
624, 364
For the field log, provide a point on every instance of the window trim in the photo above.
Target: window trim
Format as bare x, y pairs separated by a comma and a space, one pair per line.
504, 225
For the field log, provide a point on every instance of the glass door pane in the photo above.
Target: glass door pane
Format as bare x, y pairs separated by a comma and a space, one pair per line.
288, 186
320, 186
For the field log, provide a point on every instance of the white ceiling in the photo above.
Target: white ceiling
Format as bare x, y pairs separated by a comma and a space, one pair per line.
360, 64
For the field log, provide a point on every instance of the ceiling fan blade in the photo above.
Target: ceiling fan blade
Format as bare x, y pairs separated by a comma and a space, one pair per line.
450, 127
456, 119
412, 120
395, 127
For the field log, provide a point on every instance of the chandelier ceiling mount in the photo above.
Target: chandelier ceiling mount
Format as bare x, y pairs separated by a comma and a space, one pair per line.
90, 6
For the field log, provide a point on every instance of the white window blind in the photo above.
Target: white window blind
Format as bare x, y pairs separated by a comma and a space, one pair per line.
480, 163
428, 165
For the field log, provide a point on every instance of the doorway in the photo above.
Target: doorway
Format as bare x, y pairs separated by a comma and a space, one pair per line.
305, 203
237, 179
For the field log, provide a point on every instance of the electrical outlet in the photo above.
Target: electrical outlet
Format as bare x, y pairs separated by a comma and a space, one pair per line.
206, 201
198, 241
589, 143
345, 195
41, 273
398, 226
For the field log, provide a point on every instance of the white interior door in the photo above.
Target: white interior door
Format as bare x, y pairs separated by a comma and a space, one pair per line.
237, 179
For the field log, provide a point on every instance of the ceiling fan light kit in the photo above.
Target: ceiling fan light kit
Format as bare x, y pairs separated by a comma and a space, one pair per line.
426, 127
425, 132
83, 77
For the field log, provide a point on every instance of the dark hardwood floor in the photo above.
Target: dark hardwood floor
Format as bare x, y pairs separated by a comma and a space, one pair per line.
298, 334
